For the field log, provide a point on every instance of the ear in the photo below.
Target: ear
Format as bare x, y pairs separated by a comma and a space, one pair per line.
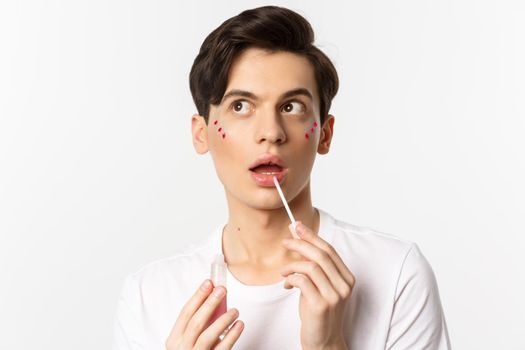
327, 131
199, 131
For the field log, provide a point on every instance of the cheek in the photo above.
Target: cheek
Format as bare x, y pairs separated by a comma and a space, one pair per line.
310, 130
222, 131
218, 128
225, 130
229, 139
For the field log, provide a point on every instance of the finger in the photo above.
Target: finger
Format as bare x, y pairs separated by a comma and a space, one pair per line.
316, 275
189, 309
210, 336
324, 259
199, 320
306, 234
233, 334
307, 288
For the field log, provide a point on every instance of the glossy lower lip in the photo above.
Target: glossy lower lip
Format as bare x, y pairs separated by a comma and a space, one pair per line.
267, 180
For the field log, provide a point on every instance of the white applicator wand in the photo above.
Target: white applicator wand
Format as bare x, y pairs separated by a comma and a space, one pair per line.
290, 215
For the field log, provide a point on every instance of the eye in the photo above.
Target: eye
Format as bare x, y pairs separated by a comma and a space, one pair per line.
240, 106
294, 107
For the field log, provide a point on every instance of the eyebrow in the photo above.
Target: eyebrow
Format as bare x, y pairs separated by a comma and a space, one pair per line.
287, 94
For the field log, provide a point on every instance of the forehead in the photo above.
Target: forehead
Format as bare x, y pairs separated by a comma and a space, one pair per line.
268, 74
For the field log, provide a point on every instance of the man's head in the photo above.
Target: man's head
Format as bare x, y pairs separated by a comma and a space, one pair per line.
270, 27
261, 87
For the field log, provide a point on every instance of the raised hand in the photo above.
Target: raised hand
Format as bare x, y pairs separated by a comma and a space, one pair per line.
326, 285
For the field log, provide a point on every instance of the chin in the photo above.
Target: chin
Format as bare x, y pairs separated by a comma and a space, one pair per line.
267, 207
264, 200
260, 197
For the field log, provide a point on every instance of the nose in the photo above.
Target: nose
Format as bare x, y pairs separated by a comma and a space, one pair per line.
269, 128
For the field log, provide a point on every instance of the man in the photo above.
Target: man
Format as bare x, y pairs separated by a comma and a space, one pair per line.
263, 92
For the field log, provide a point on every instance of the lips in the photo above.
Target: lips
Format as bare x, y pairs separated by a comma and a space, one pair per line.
267, 158
266, 167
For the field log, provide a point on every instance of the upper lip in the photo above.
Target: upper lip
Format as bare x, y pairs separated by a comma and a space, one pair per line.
268, 158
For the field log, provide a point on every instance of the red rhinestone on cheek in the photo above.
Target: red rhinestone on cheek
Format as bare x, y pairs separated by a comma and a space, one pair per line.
306, 136
223, 135
220, 129
215, 122
315, 124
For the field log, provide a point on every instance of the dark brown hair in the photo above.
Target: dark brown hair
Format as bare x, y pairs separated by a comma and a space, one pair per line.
271, 28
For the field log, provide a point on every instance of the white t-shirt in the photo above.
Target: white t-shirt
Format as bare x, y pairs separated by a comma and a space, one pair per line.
395, 302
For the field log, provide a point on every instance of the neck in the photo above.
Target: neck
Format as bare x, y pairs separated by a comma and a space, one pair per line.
253, 236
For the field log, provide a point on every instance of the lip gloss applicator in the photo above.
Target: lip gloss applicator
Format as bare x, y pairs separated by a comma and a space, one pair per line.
283, 199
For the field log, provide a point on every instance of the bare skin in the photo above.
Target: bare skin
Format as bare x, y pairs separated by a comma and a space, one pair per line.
264, 123
272, 119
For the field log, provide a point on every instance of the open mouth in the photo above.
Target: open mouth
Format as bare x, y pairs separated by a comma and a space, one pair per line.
266, 167
263, 174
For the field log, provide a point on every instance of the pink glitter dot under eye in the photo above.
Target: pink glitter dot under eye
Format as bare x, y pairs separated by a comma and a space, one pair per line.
311, 130
219, 130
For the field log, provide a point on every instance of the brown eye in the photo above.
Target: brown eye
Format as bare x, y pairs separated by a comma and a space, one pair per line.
240, 106
294, 108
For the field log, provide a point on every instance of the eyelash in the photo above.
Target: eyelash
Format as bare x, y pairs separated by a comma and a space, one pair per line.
286, 103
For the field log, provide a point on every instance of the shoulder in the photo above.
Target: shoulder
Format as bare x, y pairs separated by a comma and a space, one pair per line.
364, 241
181, 259
374, 254
181, 269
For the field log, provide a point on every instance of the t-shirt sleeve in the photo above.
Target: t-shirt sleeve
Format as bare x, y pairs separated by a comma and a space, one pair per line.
418, 321
127, 326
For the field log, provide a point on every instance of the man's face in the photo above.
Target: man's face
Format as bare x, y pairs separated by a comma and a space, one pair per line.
255, 118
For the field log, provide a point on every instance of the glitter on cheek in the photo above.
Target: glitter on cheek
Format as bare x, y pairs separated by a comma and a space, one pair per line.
310, 129
220, 129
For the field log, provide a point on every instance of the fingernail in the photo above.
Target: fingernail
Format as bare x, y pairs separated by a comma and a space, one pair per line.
219, 292
292, 228
206, 285
234, 312
299, 228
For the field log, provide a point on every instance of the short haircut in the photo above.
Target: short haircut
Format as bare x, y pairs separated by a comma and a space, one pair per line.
271, 28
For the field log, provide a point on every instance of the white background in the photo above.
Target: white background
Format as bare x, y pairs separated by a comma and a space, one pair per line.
98, 175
